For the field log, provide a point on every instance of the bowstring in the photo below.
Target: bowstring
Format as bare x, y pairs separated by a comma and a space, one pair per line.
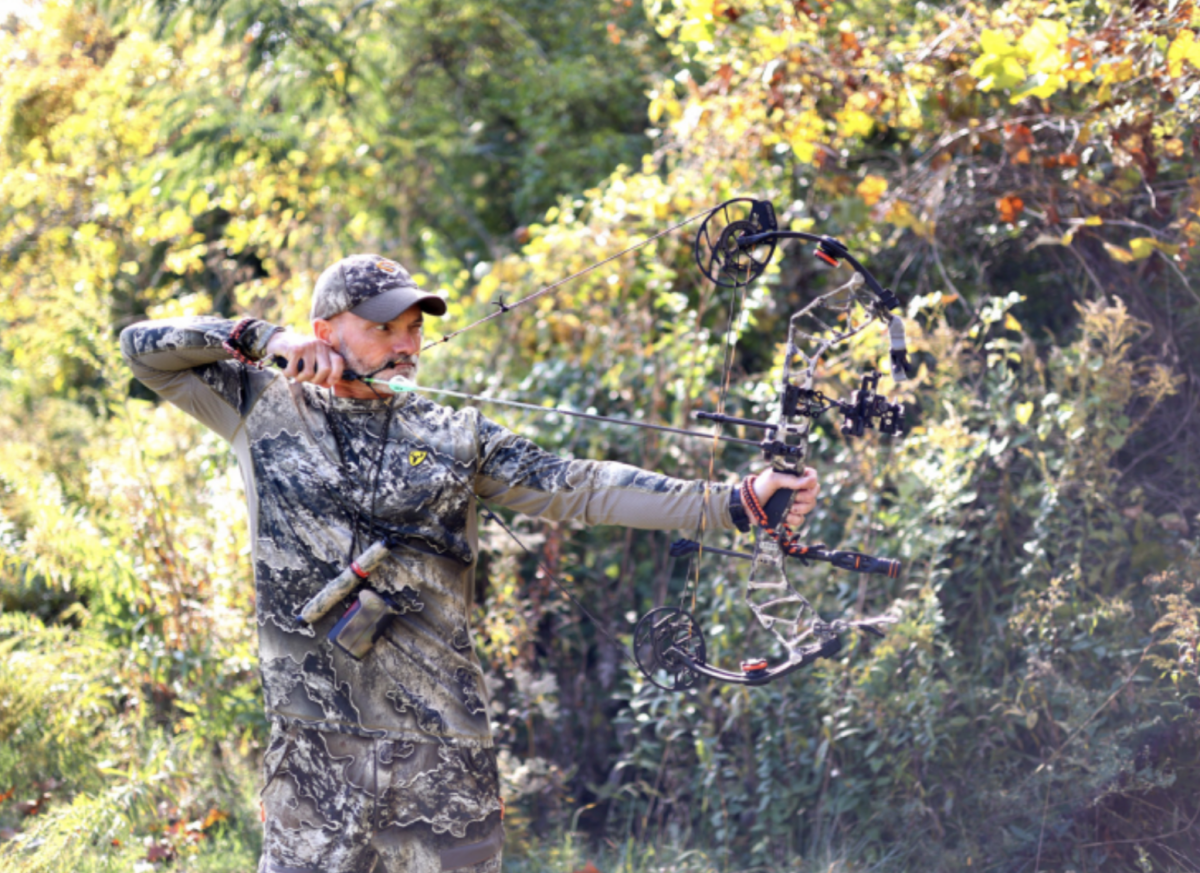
737, 306
505, 308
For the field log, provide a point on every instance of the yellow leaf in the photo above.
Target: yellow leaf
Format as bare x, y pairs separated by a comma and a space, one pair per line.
1119, 254
804, 135
1121, 71
665, 105
995, 43
1093, 221
198, 203
1180, 50
1024, 413
871, 189
1144, 246
1011, 323
1043, 41
1141, 247
997, 71
855, 122
1040, 85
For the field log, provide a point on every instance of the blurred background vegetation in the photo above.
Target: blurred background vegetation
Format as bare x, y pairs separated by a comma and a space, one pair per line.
1023, 174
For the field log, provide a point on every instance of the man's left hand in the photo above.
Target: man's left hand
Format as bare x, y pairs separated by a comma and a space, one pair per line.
806, 487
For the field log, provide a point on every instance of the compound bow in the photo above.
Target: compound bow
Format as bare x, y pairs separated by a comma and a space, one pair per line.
733, 247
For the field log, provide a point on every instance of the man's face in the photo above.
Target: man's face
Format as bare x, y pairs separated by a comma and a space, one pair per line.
367, 345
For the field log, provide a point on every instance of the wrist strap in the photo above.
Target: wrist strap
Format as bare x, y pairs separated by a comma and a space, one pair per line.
750, 501
754, 508
233, 345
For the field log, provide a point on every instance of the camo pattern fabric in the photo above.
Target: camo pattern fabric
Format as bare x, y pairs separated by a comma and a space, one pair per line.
355, 279
308, 461
340, 803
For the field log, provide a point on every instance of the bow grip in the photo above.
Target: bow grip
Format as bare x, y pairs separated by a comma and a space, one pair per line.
777, 507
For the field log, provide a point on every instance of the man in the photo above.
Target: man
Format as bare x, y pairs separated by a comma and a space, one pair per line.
383, 762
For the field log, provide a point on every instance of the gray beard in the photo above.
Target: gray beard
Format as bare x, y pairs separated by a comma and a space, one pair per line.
353, 362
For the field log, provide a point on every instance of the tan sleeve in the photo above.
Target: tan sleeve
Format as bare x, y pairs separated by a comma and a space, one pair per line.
183, 361
517, 474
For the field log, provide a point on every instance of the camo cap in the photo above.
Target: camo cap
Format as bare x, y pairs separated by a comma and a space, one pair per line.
372, 287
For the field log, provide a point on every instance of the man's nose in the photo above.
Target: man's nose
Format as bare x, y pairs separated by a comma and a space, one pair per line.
406, 344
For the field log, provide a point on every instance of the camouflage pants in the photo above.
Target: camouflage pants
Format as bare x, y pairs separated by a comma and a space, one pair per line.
335, 803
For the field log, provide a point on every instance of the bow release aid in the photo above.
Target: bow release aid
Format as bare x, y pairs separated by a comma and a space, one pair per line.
341, 587
368, 618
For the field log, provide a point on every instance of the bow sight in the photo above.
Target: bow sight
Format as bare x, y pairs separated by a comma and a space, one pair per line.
865, 409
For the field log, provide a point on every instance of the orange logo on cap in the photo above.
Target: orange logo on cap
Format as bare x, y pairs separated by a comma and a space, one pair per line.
387, 266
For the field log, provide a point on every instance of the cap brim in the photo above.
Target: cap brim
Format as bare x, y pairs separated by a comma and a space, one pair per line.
385, 306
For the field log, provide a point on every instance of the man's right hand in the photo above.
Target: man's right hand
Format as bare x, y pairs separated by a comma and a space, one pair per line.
308, 359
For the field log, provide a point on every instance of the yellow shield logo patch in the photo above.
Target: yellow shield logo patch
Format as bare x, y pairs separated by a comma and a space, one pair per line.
416, 458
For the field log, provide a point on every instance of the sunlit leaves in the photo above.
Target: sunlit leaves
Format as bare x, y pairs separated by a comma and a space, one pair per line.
999, 63
1184, 48
1041, 61
1139, 249
871, 189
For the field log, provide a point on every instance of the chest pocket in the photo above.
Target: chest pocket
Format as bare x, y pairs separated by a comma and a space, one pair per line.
421, 485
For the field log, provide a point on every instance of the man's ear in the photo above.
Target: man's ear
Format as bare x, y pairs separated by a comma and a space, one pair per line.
322, 329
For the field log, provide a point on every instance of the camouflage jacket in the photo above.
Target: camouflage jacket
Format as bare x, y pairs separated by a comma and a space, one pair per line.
308, 460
